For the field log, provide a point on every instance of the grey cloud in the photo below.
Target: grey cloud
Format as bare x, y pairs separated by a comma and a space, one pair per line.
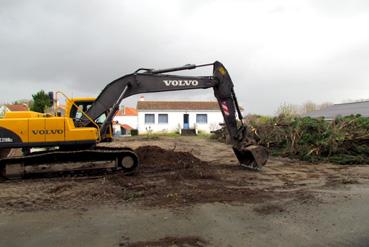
80, 46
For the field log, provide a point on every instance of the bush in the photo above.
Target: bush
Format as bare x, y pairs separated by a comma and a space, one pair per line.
134, 132
344, 140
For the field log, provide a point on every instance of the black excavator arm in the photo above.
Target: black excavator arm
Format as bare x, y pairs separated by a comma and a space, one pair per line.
147, 81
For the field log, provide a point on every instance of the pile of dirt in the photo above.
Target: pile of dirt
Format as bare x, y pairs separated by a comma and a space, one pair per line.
176, 178
154, 159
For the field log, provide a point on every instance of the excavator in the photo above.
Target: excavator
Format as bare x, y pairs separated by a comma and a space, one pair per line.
73, 137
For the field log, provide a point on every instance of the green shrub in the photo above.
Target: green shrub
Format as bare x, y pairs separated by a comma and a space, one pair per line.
344, 140
134, 132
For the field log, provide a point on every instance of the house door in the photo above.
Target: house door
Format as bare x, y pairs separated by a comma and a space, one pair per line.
186, 122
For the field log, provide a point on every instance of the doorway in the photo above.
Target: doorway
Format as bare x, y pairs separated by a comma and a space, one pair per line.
186, 121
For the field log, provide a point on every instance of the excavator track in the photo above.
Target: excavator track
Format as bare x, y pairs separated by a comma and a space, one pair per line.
54, 162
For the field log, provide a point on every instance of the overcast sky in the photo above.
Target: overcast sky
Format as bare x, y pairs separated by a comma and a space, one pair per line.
275, 51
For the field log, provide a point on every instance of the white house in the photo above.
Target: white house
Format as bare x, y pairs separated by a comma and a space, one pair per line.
125, 120
171, 116
12, 107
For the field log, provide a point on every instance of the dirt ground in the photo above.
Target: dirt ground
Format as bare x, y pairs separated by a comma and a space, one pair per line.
186, 172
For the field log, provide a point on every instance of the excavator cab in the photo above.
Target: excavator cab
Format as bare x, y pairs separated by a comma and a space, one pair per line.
78, 106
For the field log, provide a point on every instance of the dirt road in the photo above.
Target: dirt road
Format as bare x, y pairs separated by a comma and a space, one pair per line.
190, 192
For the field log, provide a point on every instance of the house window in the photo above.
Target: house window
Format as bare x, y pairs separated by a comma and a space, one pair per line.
163, 118
202, 118
149, 118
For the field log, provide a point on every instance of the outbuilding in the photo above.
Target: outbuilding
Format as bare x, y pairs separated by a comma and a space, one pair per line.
125, 120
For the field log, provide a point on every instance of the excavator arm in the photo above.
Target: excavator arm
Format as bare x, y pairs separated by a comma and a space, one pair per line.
147, 81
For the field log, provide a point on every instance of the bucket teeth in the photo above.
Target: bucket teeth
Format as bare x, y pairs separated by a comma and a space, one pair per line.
253, 166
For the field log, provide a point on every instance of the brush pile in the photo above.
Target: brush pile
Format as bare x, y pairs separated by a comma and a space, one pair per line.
344, 140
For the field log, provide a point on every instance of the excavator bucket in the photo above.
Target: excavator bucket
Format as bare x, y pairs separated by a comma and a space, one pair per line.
252, 157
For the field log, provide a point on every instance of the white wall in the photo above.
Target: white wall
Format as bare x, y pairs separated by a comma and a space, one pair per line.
175, 121
116, 130
130, 120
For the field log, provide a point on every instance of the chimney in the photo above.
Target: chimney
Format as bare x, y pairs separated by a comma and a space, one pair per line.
142, 98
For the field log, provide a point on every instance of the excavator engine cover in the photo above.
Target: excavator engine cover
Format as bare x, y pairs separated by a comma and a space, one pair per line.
253, 156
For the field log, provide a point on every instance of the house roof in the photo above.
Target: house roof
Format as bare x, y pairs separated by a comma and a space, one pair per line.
345, 109
177, 105
126, 126
17, 107
127, 111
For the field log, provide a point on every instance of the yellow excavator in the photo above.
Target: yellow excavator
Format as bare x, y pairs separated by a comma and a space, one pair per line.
72, 138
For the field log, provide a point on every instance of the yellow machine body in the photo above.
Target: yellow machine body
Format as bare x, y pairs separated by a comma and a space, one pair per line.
33, 129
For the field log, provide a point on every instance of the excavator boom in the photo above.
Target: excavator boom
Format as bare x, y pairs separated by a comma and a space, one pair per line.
147, 81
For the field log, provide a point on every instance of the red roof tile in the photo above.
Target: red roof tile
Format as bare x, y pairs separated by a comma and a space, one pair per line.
17, 107
126, 126
127, 111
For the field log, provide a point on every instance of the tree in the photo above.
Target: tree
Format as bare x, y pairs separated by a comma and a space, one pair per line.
325, 105
40, 101
287, 110
308, 106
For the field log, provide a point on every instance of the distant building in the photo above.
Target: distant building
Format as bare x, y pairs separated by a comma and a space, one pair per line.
170, 116
13, 107
125, 120
345, 109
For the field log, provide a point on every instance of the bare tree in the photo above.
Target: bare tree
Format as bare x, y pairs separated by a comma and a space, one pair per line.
324, 105
288, 109
308, 106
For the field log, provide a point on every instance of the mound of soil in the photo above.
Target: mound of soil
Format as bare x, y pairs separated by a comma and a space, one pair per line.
157, 160
153, 156
176, 178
